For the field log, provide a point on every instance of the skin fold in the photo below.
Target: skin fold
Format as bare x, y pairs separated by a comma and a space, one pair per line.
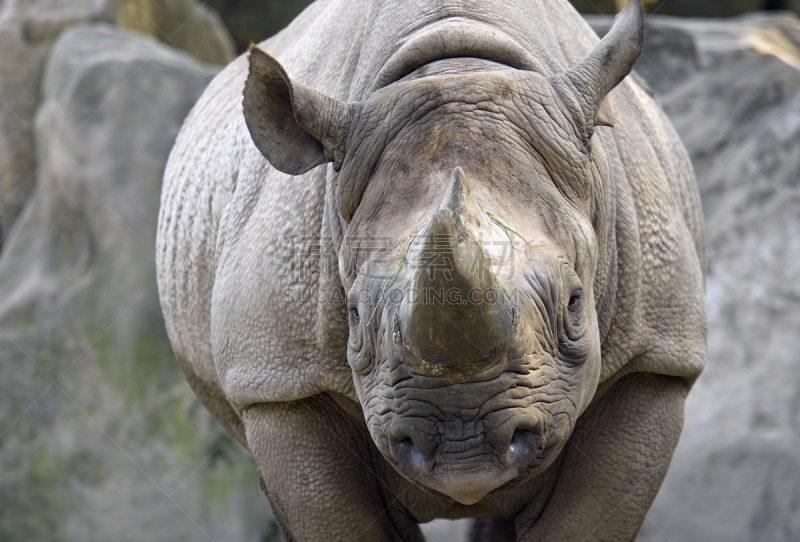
439, 260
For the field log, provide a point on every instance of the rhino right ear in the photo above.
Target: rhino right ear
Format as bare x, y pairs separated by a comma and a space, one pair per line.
296, 128
587, 84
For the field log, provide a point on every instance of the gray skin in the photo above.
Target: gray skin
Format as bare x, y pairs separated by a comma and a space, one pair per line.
493, 150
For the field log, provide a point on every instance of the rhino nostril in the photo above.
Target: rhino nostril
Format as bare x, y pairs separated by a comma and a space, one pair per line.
519, 438
407, 454
523, 446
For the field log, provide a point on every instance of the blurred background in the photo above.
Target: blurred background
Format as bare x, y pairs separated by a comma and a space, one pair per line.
101, 438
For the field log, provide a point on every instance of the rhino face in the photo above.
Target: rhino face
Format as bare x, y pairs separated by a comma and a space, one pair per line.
469, 254
473, 339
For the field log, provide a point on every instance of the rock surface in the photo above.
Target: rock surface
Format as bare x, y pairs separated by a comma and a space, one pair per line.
252, 21
27, 31
185, 24
732, 90
102, 439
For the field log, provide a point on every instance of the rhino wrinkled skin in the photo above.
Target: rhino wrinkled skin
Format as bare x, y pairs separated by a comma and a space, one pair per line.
439, 259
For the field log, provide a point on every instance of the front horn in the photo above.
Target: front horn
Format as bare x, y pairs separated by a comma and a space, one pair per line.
460, 314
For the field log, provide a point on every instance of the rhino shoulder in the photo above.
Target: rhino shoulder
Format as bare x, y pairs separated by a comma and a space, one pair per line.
660, 318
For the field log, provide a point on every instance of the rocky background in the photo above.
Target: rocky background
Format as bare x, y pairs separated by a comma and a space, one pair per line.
101, 438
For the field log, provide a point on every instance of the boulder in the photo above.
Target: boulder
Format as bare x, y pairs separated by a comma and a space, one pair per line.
252, 21
27, 31
732, 90
185, 24
102, 439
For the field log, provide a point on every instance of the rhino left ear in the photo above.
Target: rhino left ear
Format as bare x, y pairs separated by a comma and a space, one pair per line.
296, 128
586, 85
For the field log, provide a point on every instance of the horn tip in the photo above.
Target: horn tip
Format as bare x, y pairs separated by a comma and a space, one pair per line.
458, 191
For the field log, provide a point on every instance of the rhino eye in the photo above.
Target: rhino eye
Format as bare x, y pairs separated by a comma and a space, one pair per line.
575, 301
355, 318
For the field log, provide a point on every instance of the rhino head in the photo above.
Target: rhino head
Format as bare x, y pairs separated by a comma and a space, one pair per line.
472, 209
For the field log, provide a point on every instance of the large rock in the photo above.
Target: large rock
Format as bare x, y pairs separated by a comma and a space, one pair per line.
252, 21
27, 30
732, 89
185, 24
102, 439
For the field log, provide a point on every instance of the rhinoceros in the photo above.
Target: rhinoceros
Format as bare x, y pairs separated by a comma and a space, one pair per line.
439, 259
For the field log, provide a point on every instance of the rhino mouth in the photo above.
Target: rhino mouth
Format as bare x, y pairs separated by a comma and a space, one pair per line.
466, 439
466, 474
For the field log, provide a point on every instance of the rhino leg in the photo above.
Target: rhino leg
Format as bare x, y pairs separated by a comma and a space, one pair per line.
614, 463
316, 468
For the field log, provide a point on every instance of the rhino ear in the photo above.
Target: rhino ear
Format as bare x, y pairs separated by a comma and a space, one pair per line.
587, 84
296, 128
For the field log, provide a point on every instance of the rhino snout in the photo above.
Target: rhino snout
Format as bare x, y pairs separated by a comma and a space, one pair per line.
465, 467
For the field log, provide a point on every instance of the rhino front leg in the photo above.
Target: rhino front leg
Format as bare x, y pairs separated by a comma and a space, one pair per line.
316, 469
614, 463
